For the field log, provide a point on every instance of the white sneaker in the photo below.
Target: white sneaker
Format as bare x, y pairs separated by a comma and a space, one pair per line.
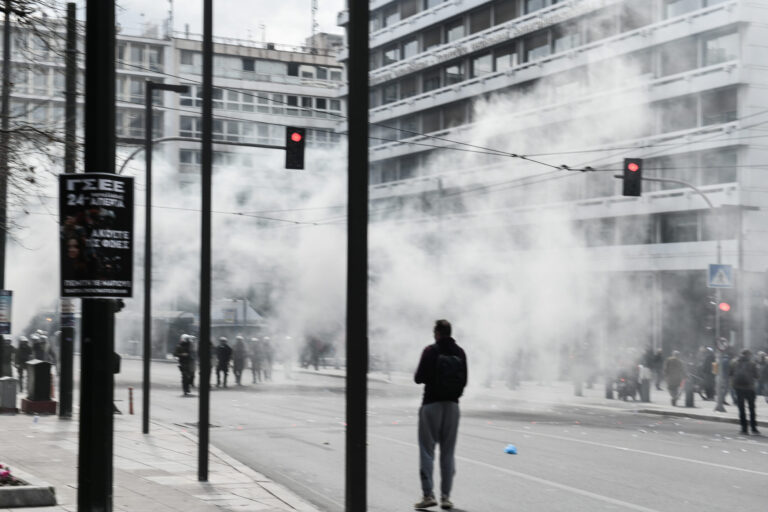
426, 501
445, 503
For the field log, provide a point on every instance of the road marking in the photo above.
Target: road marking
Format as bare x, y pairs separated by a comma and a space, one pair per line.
575, 490
634, 450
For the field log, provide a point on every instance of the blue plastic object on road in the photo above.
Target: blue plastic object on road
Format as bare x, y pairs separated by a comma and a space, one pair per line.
511, 449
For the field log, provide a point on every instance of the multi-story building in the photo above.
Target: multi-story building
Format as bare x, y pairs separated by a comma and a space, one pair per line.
585, 84
259, 88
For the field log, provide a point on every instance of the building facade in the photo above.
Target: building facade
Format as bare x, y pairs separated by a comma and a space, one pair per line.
576, 86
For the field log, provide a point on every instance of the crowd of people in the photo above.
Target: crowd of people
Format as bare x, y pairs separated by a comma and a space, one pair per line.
257, 354
35, 346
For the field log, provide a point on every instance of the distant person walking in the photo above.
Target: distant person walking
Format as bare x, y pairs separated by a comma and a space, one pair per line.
443, 371
238, 359
656, 364
223, 357
744, 374
256, 354
674, 373
183, 353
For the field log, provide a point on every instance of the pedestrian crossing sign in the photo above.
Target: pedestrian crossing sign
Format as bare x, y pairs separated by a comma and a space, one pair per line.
720, 276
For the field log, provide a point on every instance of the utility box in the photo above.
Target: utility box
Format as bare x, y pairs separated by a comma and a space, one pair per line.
8, 394
39, 380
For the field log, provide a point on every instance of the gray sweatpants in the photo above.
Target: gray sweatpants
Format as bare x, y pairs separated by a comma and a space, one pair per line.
438, 423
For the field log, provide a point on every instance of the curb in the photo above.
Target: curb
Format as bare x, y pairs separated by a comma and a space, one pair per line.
276, 490
695, 416
36, 494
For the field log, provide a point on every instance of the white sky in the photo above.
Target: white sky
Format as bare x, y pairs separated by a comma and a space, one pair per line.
285, 21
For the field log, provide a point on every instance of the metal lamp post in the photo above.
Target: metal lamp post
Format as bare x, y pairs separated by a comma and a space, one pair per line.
150, 88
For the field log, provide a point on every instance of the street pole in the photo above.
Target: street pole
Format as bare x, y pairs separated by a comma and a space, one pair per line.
94, 491
357, 260
66, 376
149, 89
205, 245
5, 136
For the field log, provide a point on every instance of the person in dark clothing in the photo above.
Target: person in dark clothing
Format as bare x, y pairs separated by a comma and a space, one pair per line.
183, 353
256, 354
674, 372
23, 354
656, 364
443, 371
707, 377
762, 381
743, 372
223, 356
7, 353
238, 359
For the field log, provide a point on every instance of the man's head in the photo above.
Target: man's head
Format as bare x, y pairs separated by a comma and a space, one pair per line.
442, 329
676, 353
746, 353
223, 340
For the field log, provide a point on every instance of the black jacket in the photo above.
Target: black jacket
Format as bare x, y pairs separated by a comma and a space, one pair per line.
426, 372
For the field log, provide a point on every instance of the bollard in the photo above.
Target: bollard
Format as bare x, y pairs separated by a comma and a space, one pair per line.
130, 400
688, 392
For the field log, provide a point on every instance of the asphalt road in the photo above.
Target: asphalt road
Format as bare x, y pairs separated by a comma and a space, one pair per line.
570, 458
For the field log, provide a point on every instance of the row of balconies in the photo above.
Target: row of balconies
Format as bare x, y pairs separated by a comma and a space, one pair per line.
581, 56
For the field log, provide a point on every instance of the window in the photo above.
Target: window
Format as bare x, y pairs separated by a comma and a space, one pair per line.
249, 64
433, 3
155, 58
293, 101
390, 15
719, 166
218, 96
432, 38
678, 56
482, 65
679, 227
454, 73
322, 73
408, 8
505, 58
137, 54
480, 20
635, 15
677, 114
634, 229
408, 87
336, 75
293, 69
721, 48
674, 8
566, 36
534, 5
335, 105
454, 114
431, 80
454, 30
409, 127
536, 46
430, 120
410, 48
187, 57
504, 10
605, 24
391, 54
719, 106
390, 94
247, 99
306, 105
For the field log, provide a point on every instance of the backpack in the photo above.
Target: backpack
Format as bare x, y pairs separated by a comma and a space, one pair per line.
450, 376
742, 377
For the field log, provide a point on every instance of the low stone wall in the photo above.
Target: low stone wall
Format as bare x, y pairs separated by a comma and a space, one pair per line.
35, 492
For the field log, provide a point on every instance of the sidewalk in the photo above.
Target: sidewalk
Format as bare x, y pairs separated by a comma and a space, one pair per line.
155, 472
561, 393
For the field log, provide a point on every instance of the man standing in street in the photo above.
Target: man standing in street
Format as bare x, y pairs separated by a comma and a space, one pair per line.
183, 353
674, 372
223, 356
443, 371
743, 372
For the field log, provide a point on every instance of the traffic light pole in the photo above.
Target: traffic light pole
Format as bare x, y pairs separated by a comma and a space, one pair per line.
722, 373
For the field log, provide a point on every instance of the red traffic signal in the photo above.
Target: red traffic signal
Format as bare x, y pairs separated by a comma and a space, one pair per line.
724, 306
633, 177
294, 147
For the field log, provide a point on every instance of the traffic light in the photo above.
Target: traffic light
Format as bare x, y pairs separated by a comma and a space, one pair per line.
294, 147
633, 176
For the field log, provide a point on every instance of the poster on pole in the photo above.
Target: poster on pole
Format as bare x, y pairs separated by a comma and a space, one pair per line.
6, 301
96, 235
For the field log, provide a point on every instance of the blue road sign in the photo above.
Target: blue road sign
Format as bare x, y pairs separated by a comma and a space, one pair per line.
720, 276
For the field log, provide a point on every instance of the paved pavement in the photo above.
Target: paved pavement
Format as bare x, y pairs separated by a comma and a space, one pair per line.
155, 472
